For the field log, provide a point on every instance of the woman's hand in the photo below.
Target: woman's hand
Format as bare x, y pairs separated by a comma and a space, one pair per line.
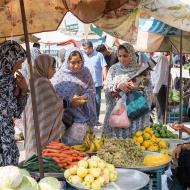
20, 81
127, 86
154, 99
177, 152
77, 101
123, 87
132, 85
178, 127
181, 128
16, 91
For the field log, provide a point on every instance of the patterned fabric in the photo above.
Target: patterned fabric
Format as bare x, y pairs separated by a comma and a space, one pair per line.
49, 108
35, 52
68, 83
10, 106
116, 74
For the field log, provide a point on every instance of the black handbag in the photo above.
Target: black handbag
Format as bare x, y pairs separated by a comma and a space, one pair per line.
68, 118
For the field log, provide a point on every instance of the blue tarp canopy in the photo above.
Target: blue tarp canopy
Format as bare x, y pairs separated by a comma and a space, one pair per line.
155, 26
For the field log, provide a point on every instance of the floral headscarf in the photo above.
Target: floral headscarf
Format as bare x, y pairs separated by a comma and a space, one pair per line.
133, 66
10, 53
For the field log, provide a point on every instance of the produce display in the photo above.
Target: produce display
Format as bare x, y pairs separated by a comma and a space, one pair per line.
161, 131
32, 165
187, 66
91, 174
121, 152
63, 155
174, 96
156, 160
13, 178
148, 141
91, 143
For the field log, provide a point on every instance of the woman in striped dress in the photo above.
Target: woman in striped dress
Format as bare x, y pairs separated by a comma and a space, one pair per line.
49, 106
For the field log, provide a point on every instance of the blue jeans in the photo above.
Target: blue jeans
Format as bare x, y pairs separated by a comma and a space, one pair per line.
98, 101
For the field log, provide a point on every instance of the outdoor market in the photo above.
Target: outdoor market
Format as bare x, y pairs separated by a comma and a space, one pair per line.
95, 95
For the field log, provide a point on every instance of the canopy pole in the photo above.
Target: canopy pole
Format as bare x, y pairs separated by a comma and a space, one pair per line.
181, 81
32, 89
173, 45
168, 87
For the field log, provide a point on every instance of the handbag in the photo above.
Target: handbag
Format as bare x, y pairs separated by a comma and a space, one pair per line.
137, 105
68, 118
118, 117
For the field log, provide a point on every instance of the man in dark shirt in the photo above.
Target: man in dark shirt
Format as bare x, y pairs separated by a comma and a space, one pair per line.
109, 56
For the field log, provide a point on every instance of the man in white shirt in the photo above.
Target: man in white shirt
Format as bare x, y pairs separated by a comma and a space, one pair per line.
159, 77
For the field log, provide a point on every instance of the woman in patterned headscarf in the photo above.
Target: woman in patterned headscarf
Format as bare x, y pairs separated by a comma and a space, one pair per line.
49, 106
116, 82
13, 97
73, 79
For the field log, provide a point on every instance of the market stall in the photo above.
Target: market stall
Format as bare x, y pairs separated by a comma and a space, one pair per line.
154, 35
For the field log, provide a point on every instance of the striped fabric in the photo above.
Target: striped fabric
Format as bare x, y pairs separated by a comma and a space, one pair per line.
155, 26
50, 110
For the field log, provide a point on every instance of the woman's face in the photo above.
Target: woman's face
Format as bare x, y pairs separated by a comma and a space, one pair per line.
51, 71
75, 63
123, 57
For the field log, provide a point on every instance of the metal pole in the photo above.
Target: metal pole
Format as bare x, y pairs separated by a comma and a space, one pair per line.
168, 88
33, 94
181, 81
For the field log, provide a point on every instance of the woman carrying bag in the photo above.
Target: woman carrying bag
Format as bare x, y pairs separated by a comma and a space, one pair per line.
118, 83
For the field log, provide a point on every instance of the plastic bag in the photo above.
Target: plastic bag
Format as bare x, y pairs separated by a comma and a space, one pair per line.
75, 134
118, 117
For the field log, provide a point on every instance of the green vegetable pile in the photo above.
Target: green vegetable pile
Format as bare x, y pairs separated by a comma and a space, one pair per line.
174, 96
121, 152
187, 66
161, 131
32, 165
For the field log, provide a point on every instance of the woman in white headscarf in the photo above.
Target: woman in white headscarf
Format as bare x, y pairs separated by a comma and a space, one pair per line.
116, 81
73, 79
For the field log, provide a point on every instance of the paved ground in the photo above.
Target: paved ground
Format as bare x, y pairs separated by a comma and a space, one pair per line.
103, 108
102, 114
